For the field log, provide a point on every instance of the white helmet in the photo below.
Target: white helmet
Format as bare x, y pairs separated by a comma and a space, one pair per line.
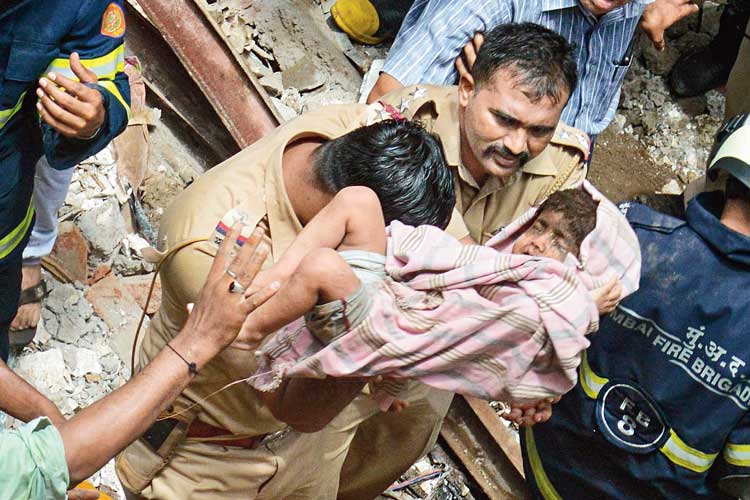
731, 151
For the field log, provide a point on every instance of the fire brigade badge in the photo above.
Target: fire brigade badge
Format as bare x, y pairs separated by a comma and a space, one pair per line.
113, 21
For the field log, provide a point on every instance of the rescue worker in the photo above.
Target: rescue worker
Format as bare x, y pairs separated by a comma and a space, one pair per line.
487, 114
661, 406
62, 95
230, 443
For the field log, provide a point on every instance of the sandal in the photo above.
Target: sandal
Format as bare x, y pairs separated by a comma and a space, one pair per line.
21, 338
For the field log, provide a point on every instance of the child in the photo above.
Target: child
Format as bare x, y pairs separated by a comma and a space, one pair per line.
507, 322
333, 265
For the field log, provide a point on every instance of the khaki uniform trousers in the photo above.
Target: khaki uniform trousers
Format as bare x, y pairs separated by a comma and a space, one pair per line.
386, 444
276, 470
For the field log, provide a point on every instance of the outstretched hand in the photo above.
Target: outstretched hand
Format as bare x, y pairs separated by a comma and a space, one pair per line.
222, 307
661, 14
70, 107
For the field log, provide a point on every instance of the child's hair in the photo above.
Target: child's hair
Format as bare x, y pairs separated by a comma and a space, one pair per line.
578, 210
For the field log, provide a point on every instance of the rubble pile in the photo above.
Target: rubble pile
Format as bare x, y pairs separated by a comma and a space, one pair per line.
295, 50
98, 282
676, 132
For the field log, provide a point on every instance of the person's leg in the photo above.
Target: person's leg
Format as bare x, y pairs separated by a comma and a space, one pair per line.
322, 276
50, 189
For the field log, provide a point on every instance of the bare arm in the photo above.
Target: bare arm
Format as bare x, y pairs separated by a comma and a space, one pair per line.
353, 219
97, 433
19, 399
308, 405
385, 83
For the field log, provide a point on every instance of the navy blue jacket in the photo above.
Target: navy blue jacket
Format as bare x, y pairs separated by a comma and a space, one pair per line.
661, 406
38, 36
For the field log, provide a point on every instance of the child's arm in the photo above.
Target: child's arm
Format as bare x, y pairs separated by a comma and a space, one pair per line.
352, 220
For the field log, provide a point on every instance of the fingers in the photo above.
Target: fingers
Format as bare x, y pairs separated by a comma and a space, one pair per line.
470, 54
477, 41
250, 258
221, 260
258, 298
64, 108
74, 88
65, 130
461, 67
84, 75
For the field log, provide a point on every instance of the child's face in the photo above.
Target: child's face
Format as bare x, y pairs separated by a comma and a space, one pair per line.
547, 237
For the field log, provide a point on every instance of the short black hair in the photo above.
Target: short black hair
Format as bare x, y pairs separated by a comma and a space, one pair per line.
542, 60
401, 162
578, 210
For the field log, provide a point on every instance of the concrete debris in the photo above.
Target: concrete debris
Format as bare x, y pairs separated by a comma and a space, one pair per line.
71, 251
672, 187
81, 361
103, 227
45, 370
113, 303
368, 82
304, 75
272, 83
138, 286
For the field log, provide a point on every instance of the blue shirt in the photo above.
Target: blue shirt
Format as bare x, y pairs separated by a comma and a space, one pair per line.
662, 405
434, 33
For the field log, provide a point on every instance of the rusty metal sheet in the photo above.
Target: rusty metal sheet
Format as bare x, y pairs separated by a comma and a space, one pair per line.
171, 85
482, 455
237, 98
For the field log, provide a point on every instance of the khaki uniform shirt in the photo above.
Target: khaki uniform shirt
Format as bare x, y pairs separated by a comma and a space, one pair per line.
488, 208
252, 182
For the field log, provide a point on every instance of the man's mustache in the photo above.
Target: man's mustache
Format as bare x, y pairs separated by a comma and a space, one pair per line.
494, 149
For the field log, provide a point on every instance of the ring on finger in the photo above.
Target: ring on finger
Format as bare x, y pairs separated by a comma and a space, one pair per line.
231, 274
236, 287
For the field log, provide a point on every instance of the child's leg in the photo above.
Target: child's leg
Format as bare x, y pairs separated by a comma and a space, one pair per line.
353, 220
322, 276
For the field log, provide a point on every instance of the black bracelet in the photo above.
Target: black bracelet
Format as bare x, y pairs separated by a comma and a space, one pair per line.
192, 368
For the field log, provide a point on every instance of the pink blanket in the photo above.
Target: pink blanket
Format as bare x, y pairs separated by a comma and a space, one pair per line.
474, 320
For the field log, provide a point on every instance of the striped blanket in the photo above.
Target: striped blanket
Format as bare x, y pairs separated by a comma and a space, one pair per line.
470, 319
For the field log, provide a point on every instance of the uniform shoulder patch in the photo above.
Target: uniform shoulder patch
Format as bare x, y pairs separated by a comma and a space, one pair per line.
572, 137
113, 21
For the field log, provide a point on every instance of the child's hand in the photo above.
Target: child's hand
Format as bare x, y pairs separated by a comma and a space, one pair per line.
398, 405
528, 414
608, 297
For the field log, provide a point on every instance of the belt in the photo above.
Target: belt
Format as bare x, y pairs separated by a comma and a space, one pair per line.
207, 432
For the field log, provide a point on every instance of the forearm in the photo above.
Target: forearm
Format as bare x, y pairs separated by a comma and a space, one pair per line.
385, 83
20, 400
308, 405
96, 434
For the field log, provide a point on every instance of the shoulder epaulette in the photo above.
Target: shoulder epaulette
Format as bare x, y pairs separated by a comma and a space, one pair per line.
572, 137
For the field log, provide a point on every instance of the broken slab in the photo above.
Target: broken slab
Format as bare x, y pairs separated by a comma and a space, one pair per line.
70, 252
138, 286
81, 361
304, 75
116, 306
103, 227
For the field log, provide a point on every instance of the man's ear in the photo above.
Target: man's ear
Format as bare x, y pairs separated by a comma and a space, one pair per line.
465, 89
